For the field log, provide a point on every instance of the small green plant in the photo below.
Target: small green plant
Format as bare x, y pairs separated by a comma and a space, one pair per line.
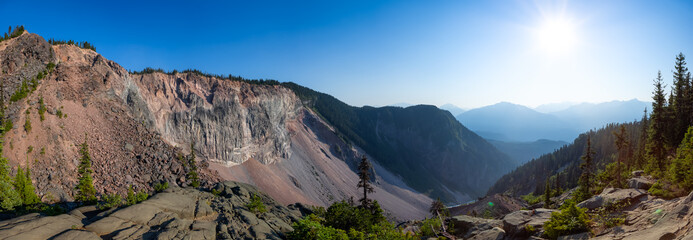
30, 149
216, 192
21, 93
255, 205
27, 124
160, 187
134, 198
110, 201
51, 66
531, 199
530, 228
43, 151
59, 112
430, 227
570, 220
661, 189
42, 109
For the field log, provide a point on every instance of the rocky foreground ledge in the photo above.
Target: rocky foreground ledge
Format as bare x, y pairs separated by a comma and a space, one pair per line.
176, 213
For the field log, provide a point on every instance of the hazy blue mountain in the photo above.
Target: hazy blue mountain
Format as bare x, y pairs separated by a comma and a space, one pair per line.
402, 104
515, 123
523, 152
509, 122
554, 107
454, 110
587, 116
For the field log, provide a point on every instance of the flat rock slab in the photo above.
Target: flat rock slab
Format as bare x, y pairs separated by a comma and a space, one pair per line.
40, 228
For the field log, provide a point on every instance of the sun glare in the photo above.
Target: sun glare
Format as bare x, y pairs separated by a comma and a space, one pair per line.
556, 36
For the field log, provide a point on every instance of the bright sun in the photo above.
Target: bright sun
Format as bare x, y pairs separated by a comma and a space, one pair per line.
556, 36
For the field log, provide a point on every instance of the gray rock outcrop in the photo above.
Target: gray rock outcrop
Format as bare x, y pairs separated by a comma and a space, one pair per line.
177, 213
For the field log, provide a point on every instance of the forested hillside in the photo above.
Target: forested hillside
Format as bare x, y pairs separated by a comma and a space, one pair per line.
661, 144
426, 146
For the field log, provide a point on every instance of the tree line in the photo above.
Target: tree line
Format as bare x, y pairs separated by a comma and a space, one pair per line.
661, 144
12, 33
84, 44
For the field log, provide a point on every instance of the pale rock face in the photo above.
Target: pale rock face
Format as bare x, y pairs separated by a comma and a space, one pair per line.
229, 122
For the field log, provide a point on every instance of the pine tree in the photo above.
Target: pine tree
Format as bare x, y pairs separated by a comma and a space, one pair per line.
192, 174
558, 183
364, 169
85, 188
437, 208
681, 169
640, 158
547, 195
583, 191
681, 104
624, 152
27, 192
655, 149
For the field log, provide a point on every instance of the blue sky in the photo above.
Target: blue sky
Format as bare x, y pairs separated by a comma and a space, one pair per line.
468, 53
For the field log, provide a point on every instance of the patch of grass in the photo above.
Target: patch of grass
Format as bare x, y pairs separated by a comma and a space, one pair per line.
255, 205
160, 187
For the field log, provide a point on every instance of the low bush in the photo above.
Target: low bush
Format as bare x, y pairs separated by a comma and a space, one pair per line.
570, 220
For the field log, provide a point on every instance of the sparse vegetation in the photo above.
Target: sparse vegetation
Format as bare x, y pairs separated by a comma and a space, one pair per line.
84, 45
570, 220
256, 206
110, 201
160, 187
41, 109
27, 124
135, 198
85, 188
12, 33
230, 77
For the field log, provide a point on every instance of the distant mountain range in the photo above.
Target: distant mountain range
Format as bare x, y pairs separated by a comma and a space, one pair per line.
510, 122
454, 110
523, 152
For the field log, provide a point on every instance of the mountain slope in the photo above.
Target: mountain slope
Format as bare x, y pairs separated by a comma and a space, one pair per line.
454, 110
531, 176
522, 152
588, 116
427, 147
511, 122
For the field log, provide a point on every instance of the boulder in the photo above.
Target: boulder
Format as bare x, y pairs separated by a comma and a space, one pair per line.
468, 226
517, 223
579, 236
638, 173
612, 196
640, 183
495, 233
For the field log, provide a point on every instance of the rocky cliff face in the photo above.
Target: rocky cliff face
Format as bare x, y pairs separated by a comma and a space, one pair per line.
86, 97
228, 121
136, 125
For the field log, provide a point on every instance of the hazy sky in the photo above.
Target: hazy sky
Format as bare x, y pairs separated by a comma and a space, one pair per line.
468, 53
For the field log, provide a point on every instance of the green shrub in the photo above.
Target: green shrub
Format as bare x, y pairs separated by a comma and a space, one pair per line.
661, 189
570, 220
133, 198
430, 227
531, 199
110, 201
311, 228
21, 93
41, 109
255, 205
160, 187
30, 149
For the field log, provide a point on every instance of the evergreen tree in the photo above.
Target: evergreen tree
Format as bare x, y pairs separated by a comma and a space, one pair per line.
364, 169
9, 198
655, 149
25, 187
681, 170
624, 152
681, 104
192, 174
640, 159
437, 208
85, 188
547, 195
558, 184
583, 191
